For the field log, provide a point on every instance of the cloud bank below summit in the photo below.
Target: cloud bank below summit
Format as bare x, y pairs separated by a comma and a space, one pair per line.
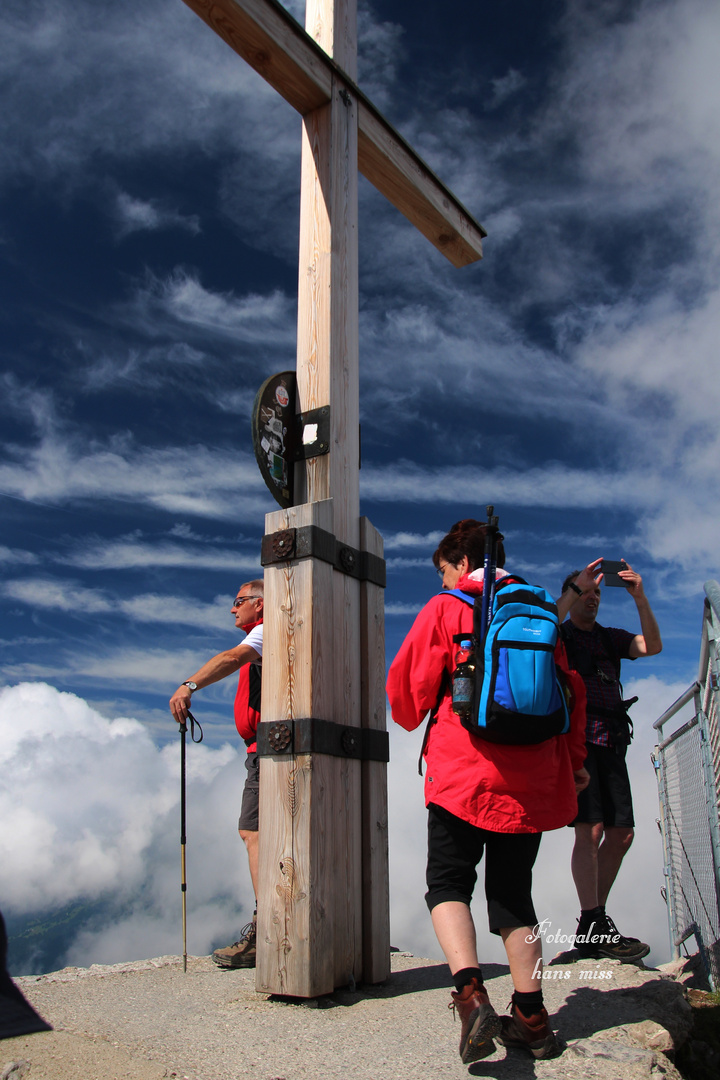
90, 808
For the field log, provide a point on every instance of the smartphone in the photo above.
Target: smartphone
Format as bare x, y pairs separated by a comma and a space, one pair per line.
610, 572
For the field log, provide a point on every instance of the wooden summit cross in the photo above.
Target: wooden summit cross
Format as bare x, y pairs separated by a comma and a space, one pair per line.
323, 917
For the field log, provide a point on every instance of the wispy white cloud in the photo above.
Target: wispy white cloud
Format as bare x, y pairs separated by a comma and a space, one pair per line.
153, 669
185, 480
47, 594
504, 87
180, 329
183, 300
552, 485
650, 120
152, 608
13, 555
133, 554
399, 608
405, 562
137, 215
380, 50
153, 368
163, 75
397, 540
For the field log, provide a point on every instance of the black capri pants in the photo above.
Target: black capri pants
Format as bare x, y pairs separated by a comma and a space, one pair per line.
454, 850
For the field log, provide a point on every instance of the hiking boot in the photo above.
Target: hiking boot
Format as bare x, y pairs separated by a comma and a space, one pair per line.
631, 942
531, 1033
606, 942
478, 1019
242, 953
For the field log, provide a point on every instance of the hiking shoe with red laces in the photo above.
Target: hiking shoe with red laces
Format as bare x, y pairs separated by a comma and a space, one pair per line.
478, 1019
242, 953
531, 1033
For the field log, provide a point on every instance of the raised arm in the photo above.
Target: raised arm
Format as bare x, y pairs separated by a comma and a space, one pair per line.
648, 642
217, 668
586, 579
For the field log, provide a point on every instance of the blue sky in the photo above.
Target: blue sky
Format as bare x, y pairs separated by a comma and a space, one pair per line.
148, 257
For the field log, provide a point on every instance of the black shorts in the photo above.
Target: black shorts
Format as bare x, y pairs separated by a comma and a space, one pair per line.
455, 848
607, 798
248, 820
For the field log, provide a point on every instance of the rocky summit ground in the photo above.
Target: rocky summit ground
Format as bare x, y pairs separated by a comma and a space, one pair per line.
146, 1020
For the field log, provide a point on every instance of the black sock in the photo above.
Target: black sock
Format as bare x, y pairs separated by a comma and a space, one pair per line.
466, 975
591, 915
528, 1004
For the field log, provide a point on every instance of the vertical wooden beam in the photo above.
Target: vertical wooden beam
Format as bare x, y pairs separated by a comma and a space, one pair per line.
310, 927
375, 877
327, 346
328, 373
298, 850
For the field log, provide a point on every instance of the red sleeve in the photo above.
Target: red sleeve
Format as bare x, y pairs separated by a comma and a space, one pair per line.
416, 673
578, 700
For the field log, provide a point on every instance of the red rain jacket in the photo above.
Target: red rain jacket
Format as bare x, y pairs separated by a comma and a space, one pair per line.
513, 789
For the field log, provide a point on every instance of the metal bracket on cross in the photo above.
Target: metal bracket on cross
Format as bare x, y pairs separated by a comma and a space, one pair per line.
310, 541
312, 736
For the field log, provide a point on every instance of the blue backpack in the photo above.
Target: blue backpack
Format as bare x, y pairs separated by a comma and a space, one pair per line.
519, 698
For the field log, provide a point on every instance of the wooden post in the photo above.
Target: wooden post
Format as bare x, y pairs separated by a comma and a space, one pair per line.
310, 935
297, 817
375, 880
323, 903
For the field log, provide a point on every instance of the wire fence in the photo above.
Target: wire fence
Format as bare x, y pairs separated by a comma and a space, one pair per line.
687, 764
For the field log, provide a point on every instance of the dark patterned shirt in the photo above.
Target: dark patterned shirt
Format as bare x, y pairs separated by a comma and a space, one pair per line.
599, 672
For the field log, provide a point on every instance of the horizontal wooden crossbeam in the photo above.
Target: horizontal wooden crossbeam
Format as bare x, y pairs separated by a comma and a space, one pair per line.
265, 35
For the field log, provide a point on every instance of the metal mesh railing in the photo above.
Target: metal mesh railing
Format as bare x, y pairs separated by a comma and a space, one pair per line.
687, 764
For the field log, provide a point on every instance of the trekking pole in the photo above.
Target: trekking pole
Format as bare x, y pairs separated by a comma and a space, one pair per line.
489, 568
183, 880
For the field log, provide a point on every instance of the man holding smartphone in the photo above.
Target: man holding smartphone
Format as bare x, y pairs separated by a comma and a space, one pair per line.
604, 827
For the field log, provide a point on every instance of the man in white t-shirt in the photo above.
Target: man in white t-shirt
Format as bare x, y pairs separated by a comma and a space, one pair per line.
245, 658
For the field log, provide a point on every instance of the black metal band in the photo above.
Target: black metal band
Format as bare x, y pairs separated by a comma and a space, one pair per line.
310, 541
312, 736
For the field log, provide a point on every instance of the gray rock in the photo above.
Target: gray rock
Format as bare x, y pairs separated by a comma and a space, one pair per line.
15, 1070
651, 1035
612, 1058
149, 1019
687, 970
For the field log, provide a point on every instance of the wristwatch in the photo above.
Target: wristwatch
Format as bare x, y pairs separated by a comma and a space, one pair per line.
571, 585
190, 685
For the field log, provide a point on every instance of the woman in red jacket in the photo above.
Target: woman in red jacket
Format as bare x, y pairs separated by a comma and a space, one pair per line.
483, 798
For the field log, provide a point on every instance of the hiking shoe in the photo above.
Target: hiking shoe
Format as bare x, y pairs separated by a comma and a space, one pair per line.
531, 1033
478, 1019
242, 953
604, 941
633, 942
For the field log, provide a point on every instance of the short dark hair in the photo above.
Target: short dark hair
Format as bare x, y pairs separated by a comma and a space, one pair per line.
569, 580
467, 537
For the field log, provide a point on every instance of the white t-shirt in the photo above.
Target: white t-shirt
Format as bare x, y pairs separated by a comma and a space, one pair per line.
255, 639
